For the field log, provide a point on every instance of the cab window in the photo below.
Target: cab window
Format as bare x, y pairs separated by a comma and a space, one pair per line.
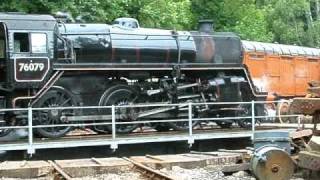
21, 42
39, 42
30, 42
2, 48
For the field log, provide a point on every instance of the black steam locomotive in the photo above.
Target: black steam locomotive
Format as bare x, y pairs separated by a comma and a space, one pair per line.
45, 62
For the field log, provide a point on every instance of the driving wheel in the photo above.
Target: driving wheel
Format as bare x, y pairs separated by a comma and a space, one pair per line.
55, 97
119, 95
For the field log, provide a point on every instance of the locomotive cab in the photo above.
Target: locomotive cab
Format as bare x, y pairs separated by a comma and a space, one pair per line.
26, 53
3, 56
3, 45
26, 57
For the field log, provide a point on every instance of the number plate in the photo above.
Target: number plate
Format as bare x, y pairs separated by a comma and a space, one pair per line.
31, 69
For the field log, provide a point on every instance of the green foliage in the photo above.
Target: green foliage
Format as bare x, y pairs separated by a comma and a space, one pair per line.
167, 14
251, 24
287, 20
282, 21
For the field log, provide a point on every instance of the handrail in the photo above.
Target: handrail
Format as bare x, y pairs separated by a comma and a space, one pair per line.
113, 121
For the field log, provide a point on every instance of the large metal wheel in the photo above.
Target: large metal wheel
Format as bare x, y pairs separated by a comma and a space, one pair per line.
182, 125
55, 97
3, 123
245, 111
161, 127
227, 123
119, 95
224, 124
269, 163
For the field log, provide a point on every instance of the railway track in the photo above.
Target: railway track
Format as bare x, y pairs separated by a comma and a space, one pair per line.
58, 173
148, 172
148, 166
152, 174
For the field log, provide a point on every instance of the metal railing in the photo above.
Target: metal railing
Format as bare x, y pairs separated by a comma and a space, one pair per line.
114, 140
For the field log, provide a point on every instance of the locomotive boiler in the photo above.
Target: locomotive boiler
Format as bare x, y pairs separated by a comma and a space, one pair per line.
45, 62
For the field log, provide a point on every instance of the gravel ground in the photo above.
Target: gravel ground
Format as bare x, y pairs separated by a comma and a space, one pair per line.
207, 173
123, 176
40, 178
177, 173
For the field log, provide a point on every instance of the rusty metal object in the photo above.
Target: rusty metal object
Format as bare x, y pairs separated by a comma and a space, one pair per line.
279, 139
314, 83
301, 134
314, 92
269, 163
314, 144
310, 104
309, 160
307, 106
314, 89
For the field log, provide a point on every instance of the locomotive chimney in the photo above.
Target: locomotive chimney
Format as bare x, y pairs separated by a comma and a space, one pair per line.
206, 26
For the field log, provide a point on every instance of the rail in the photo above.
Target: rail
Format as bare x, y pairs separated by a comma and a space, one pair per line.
115, 138
147, 171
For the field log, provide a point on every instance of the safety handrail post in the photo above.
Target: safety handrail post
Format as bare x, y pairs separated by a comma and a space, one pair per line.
190, 140
190, 118
113, 114
30, 149
252, 119
114, 144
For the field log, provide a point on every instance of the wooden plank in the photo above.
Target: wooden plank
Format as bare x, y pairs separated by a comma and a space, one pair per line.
150, 170
24, 169
241, 151
97, 161
154, 157
94, 166
204, 153
235, 167
60, 170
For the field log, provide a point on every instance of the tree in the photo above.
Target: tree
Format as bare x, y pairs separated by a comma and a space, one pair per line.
282, 21
287, 21
240, 16
167, 14
253, 26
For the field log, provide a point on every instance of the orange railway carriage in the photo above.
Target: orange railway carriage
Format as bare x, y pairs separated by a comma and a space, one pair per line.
281, 69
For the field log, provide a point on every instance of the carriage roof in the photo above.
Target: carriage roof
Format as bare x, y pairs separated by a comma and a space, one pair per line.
271, 48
